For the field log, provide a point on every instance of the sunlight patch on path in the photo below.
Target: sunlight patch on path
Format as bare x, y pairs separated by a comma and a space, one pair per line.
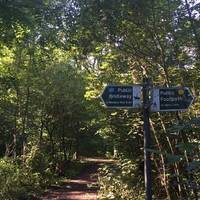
84, 187
81, 196
97, 160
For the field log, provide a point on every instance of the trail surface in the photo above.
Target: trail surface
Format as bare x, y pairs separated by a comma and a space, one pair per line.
84, 187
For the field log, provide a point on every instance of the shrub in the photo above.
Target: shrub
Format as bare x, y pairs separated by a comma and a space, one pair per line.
22, 180
16, 182
119, 181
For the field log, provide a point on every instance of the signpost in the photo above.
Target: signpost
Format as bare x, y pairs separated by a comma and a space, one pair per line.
119, 96
147, 86
171, 99
162, 99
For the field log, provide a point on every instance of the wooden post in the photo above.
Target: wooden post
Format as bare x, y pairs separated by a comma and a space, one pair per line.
147, 137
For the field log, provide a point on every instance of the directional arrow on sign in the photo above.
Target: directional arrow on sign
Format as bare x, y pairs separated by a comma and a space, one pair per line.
118, 96
171, 99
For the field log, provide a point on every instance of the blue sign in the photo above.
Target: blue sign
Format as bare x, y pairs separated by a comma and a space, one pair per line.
171, 99
118, 96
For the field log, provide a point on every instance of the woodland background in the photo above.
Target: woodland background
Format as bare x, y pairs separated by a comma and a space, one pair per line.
56, 56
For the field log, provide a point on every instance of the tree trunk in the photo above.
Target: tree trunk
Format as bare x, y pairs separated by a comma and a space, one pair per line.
41, 131
163, 172
24, 122
15, 131
50, 132
193, 26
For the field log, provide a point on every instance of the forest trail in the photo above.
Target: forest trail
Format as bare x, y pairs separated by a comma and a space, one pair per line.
84, 187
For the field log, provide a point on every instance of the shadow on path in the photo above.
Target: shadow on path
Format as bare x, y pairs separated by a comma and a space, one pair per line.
84, 187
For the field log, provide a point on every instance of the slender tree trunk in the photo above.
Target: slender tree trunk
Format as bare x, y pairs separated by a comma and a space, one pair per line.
41, 131
14, 145
50, 132
7, 150
77, 146
176, 168
163, 173
15, 131
52, 145
64, 147
77, 140
193, 26
24, 122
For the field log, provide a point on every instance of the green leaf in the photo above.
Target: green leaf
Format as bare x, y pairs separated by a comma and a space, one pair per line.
154, 151
193, 166
174, 158
189, 147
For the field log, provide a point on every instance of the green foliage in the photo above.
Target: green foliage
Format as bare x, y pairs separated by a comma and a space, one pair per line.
118, 181
38, 162
17, 183
93, 146
55, 59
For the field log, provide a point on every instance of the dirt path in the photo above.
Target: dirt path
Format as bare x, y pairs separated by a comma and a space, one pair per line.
84, 187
